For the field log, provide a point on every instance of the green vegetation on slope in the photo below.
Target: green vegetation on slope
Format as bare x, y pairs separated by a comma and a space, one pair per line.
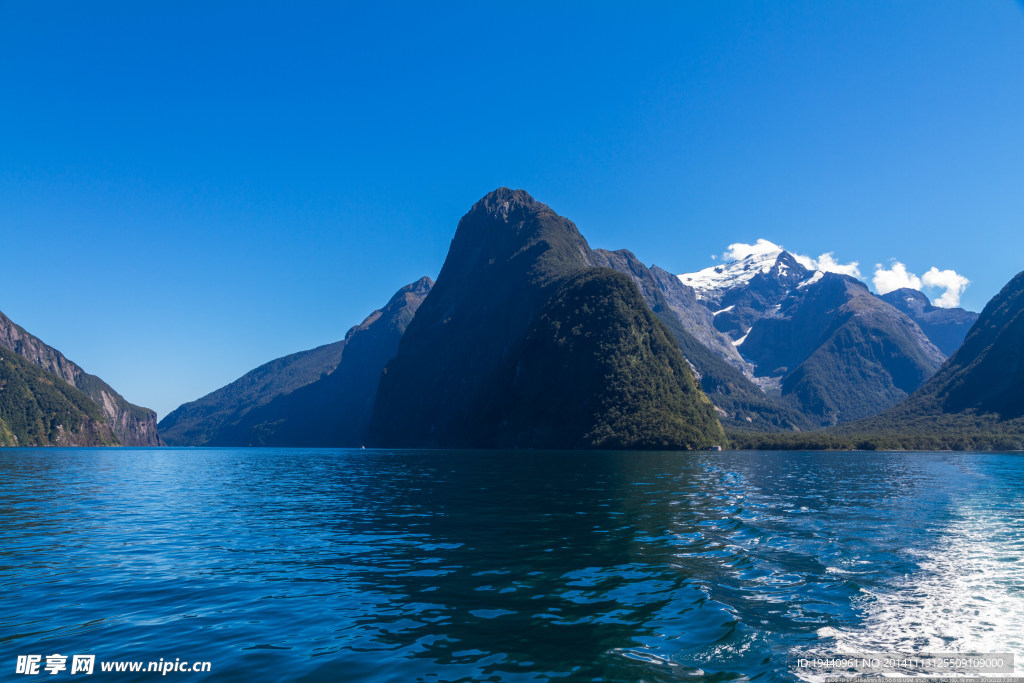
743, 404
132, 425
598, 370
38, 409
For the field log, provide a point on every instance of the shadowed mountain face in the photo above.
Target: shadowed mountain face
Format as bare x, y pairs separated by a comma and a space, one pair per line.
598, 370
472, 348
129, 425
842, 353
986, 374
335, 410
946, 327
200, 422
320, 397
974, 401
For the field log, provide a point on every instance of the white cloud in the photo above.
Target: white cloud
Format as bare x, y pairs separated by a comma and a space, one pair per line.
805, 261
739, 250
951, 281
827, 263
896, 277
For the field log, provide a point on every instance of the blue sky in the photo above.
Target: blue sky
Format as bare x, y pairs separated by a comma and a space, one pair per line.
188, 190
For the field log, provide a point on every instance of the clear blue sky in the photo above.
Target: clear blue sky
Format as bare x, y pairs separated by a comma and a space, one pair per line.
188, 190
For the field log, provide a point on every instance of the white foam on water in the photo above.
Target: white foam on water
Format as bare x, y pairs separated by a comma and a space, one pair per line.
968, 596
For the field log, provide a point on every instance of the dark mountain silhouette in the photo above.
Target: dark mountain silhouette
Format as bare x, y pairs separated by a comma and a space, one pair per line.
320, 397
518, 278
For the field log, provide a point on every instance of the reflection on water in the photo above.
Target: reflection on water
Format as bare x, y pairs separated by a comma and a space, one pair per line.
404, 565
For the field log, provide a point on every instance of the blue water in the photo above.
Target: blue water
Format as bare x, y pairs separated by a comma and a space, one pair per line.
321, 565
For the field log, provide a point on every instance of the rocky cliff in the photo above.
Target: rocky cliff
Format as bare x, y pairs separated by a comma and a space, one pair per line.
130, 424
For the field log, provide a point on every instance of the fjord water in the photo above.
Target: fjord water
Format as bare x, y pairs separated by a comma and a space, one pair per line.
333, 565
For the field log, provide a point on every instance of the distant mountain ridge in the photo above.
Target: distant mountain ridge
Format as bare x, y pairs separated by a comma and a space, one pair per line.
986, 374
530, 338
972, 402
822, 341
128, 424
320, 397
199, 422
946, 327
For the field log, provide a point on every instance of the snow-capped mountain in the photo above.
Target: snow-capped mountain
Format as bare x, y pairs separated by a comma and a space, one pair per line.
808, 332
751, 288
768, 260
735, 273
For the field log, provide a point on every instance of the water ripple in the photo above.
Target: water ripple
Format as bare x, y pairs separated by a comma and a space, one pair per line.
448, 566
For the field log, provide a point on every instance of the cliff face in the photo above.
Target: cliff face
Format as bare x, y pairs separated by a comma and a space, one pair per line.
132, 425
39, 409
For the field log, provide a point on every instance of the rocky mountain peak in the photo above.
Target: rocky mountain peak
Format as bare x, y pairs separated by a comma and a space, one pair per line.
774, 265
506, 204
908, 300
946, 327
508, 232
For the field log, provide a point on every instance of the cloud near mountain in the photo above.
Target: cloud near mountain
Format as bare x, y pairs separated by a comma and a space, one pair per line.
953, 282
897, 276
950, 283
826, 262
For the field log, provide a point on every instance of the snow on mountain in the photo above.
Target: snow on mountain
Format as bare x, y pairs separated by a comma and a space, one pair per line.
747, 261
736, 273
812, 279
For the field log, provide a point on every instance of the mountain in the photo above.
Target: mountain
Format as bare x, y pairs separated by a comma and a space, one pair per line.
945, 327
985, 375
974, 401
841, 352
821, 342
520, 286
336, 409
129, 425
39, 409
722, 373
743, 292
597, 369
320, 397
199, 422
660, 288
